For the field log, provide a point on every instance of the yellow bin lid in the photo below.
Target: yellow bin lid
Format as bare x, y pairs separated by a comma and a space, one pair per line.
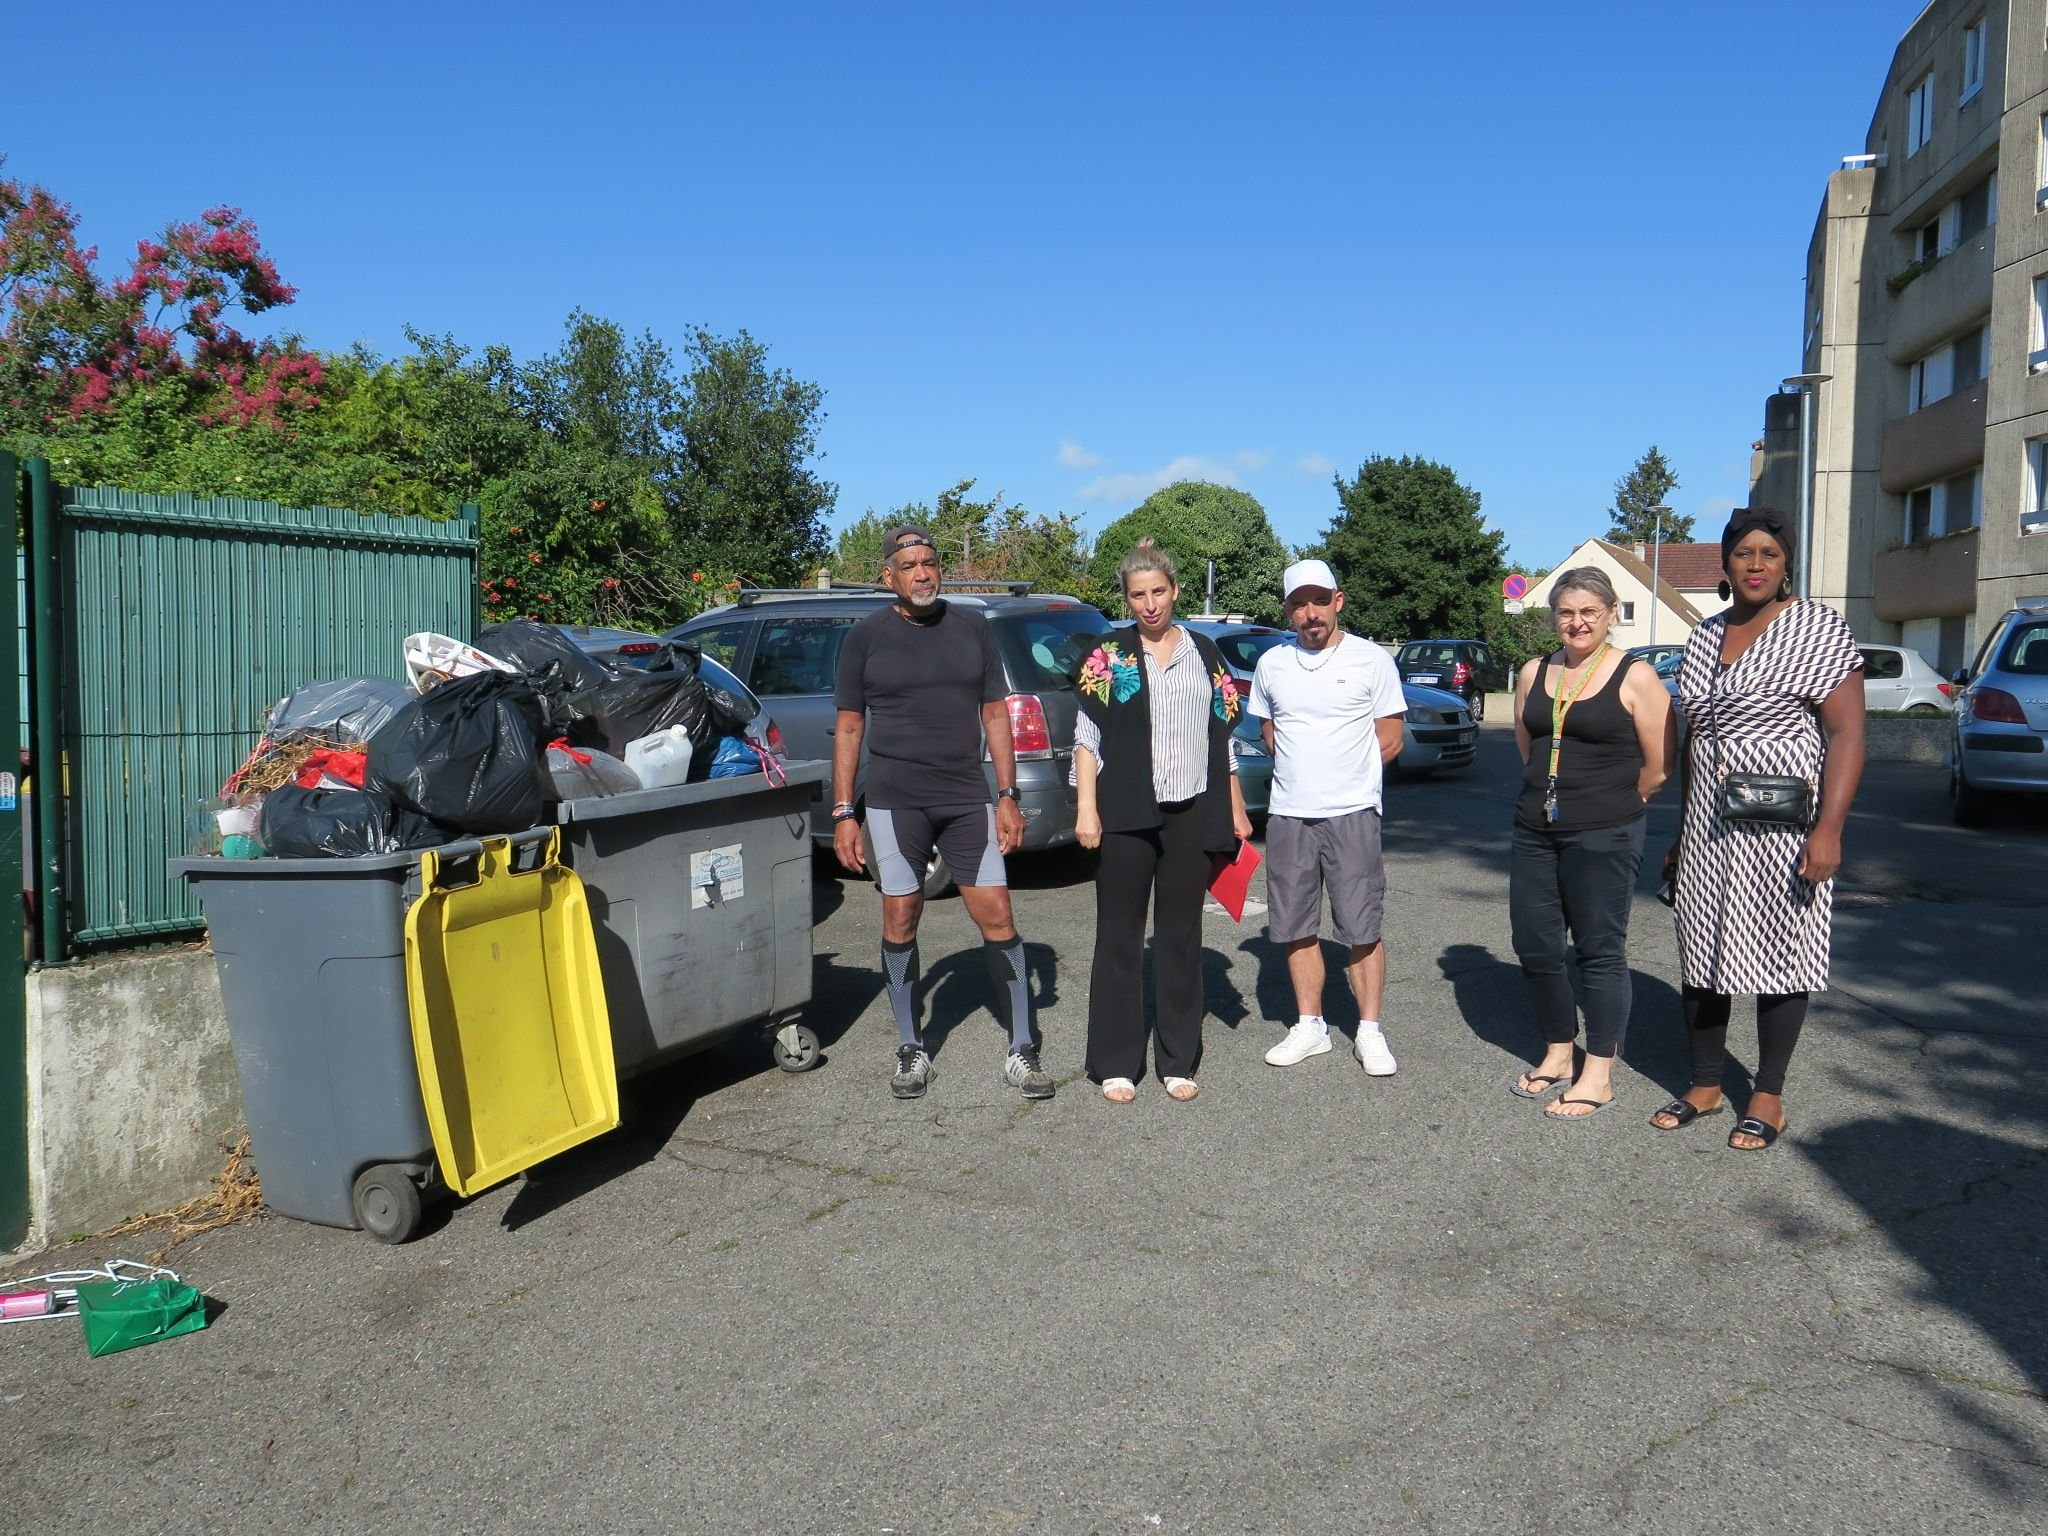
509, 1024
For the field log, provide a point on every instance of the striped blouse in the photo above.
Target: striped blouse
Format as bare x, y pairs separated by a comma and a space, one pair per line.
1181, 695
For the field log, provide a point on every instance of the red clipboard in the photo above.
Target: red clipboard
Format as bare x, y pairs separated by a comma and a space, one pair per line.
1233, 878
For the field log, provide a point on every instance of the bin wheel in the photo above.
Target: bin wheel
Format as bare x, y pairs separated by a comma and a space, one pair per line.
387, 1203
798, 1058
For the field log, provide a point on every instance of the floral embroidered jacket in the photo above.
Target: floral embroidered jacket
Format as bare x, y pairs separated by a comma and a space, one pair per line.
1109, 682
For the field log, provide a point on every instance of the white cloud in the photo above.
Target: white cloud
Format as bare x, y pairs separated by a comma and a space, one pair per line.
1136, 487
1073, 456
1252, 460
1315, 464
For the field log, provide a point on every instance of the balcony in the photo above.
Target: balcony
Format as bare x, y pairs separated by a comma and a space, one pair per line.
1933, 579
1934, 442
1943, 300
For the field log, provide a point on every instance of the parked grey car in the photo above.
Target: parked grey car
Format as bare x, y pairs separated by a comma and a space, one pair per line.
1439, 732
2001, 720
785, 644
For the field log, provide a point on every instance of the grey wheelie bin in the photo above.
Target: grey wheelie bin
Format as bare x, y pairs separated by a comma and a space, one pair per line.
701, 898
311, 956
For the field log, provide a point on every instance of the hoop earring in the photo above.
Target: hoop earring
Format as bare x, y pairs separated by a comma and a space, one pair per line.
1785, 587
1727, 592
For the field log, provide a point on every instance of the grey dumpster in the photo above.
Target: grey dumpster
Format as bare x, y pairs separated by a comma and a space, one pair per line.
311, 956
701, 898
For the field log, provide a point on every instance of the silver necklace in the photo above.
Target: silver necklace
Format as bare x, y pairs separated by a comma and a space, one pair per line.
1328, 651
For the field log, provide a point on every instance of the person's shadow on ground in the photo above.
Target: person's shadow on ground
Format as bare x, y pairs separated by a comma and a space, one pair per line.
958, 986
1493, 1001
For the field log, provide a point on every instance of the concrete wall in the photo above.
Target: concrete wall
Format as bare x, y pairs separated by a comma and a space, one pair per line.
1906, 741
131, 1089
1933, 443
1935, 578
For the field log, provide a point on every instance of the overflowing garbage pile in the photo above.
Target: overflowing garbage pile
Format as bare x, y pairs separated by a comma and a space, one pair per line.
483, 740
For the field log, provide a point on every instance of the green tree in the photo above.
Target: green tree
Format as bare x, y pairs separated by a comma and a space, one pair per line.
1195, 522
990, 540
1637, 495
745, 497
1413, 554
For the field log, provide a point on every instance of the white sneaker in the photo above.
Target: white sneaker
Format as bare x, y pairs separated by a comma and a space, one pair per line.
1308, 1037
1371, 1050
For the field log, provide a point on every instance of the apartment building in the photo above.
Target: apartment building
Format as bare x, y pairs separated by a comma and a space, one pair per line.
1927, 310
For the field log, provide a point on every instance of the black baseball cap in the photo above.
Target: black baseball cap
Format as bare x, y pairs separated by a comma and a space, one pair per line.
908, 536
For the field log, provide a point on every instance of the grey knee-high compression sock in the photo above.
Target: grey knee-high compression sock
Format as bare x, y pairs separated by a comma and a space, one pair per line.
1013, 985
899, 973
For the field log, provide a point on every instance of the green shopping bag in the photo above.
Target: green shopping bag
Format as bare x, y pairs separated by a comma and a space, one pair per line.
120, 1314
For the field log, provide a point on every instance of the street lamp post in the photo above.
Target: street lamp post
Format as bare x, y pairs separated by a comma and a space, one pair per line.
1806, 385
1657, 568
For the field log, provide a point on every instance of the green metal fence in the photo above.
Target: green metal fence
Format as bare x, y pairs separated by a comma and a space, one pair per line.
168, 626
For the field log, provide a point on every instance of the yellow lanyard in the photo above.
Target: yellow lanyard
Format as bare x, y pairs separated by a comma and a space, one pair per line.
1561, 702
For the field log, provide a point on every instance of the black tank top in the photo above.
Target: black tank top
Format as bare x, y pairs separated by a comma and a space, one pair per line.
1598, 768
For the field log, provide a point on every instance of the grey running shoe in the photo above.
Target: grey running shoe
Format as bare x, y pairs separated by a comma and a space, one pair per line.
913, 1071
1022, 1071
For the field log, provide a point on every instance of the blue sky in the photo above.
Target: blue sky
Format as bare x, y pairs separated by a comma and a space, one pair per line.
1071, 251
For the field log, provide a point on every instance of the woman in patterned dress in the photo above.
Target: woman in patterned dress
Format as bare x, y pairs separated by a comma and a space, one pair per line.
1155, 789
1774, 686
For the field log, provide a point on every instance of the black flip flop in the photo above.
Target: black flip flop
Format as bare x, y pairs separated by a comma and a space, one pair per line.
1764, 1132
1684, 1112
1549, 1083
1600, 1107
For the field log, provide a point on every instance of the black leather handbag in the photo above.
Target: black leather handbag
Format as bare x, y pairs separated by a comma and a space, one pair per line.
1774, 799
1763, 799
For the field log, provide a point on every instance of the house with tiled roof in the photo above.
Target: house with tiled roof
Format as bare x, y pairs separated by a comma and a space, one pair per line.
1654, 608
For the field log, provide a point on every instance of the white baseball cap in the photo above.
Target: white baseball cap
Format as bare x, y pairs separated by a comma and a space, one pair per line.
1307, 573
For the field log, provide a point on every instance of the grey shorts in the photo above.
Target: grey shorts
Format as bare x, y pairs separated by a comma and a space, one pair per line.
965, 835
1340, 854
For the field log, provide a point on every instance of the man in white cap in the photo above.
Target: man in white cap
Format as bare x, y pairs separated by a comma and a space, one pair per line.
1330, 706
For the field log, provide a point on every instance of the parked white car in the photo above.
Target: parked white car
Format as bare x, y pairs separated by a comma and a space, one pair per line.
1898, 678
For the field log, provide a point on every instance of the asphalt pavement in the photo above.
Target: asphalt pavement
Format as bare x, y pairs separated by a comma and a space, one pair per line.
1307, 1301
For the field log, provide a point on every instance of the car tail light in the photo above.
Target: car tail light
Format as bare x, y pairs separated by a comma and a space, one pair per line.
640, 648
1030, 736
775, 740
1948, 690
1461, 674
1997, 704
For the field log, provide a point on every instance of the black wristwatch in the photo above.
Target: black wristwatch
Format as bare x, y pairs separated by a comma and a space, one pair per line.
1009, 794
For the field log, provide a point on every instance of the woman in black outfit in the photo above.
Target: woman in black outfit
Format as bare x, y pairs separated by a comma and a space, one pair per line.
1597, 738
1156, 790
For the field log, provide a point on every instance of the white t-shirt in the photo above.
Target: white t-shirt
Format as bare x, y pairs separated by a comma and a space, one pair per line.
1324, 705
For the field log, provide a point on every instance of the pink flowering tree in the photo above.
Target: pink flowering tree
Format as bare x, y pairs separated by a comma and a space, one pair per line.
73, 342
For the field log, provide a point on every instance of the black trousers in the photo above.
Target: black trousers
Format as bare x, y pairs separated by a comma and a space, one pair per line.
1581, 882
1169, 867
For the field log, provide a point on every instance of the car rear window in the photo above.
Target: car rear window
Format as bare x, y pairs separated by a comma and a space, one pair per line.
1037, 646
1243, 651
2026, 651
1429, 655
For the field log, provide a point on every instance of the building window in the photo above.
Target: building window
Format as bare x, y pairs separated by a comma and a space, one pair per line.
1977, 209
1973, 60
1947, 507
2041, 196
1920, 514
1959, 502
1931, 379
1920, 115
1628, 612
2037, 346
1968, 363
2034, 514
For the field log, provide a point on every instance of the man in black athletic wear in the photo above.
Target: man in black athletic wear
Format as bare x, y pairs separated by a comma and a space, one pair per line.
928, 677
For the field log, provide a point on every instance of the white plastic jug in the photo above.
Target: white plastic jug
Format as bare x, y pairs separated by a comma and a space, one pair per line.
660, 759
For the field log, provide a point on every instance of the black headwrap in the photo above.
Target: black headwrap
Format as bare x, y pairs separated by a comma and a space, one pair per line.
1752, 519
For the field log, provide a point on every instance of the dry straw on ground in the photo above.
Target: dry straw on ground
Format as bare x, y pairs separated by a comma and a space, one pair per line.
236, 1196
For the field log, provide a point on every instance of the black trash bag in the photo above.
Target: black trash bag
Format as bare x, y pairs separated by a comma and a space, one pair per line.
638, 704
348, 709
468, 754
543, 651
340, 824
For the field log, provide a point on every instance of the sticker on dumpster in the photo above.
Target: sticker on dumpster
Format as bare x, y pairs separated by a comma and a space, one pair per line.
6, 791
716, 877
